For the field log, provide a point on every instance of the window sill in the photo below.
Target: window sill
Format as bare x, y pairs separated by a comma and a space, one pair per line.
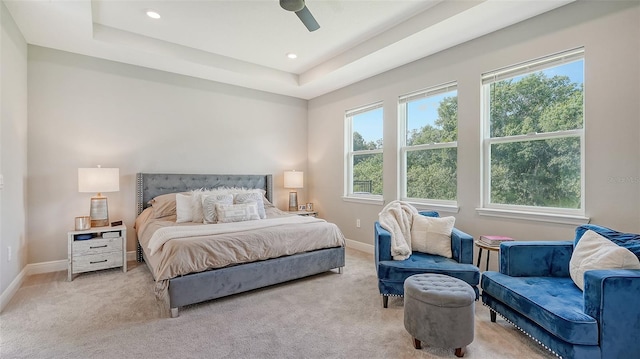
448, 208
534, 216
364, 200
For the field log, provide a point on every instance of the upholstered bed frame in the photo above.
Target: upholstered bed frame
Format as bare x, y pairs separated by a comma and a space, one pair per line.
217, 283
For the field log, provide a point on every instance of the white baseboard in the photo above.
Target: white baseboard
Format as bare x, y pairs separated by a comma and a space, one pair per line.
362, 247
12, 289
47, 267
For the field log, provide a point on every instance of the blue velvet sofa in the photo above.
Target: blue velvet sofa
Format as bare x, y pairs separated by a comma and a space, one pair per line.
534, 291
392, 273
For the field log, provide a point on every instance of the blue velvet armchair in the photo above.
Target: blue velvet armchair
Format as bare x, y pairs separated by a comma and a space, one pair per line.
534, 291
392, 273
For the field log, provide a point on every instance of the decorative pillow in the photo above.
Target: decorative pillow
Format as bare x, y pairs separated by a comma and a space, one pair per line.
237, 212
594, 251
184, 210
256, 197
163, 205
432, 235
209, 201
196, 205
198, 216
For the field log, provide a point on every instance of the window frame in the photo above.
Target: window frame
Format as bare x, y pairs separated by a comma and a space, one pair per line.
537, 213
350, 154
404, 149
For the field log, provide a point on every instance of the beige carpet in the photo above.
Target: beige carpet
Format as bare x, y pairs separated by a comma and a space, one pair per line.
109, 314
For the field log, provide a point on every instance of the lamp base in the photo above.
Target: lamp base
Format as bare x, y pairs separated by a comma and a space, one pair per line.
293, 201
99, 212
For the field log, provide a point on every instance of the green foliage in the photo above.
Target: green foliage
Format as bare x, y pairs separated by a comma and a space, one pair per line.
369, 168
359, 143
540, 172
432, 174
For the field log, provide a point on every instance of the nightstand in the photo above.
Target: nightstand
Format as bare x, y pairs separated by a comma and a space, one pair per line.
305, 213
97, 248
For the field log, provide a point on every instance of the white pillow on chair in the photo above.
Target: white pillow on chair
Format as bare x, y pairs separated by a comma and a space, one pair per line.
594, 251
432, 235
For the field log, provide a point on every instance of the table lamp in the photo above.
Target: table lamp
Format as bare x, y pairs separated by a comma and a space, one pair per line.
98, 180
293, 179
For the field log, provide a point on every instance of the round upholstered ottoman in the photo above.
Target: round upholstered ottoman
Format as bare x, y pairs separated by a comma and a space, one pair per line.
439, 311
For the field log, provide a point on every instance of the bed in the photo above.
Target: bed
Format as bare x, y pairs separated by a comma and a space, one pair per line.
178, 288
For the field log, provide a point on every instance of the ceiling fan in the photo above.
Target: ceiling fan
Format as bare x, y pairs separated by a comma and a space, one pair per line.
302, 11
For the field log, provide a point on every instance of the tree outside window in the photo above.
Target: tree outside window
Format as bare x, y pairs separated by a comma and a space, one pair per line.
364, 158
534, 135
429, 153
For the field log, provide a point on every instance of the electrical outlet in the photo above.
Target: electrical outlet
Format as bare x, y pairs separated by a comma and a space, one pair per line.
9, 253
358, 223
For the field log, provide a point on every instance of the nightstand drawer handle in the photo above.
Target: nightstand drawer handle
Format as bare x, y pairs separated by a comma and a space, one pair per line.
102, 261
98, 247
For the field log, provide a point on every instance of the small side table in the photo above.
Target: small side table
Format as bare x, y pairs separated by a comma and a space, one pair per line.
97, 248
489, 249
305, 213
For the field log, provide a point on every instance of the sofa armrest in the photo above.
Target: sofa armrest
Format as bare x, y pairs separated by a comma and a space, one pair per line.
536, 258
610, 296
461, 246
382, 244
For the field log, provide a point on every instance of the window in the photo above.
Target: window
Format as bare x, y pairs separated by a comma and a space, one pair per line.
533, 137
428, 145
364, 151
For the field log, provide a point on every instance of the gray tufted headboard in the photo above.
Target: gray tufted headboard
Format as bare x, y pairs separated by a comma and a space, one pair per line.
150, 185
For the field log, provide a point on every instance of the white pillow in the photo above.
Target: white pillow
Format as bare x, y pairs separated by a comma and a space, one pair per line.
184, 210
594, 251
196, 205
432, 235
247, 197
209, 201
237, 212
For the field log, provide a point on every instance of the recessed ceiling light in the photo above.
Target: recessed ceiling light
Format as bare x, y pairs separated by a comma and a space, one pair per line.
152, 14
291, 55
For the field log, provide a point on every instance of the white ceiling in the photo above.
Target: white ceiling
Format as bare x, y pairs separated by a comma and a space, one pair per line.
245, 43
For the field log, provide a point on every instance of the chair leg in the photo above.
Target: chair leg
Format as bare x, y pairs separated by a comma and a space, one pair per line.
385, 301
417, 344
492, 313
460, 352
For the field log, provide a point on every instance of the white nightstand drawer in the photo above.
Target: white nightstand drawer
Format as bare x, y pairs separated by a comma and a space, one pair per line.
95, 246
96, 262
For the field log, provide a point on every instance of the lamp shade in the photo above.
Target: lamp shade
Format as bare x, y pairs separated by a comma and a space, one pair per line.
293, 179
98, 179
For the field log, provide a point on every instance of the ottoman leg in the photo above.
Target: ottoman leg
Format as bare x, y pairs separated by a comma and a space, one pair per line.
492, 314
460, 352
385, 301
417, 344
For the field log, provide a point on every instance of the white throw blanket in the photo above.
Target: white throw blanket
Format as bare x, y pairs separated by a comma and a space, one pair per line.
165, 234
396, 217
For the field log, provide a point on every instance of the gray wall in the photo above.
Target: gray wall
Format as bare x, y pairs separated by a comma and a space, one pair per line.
85, 111
609, 32
13, 150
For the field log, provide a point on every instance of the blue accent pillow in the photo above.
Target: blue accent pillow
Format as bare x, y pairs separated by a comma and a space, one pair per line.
630, 241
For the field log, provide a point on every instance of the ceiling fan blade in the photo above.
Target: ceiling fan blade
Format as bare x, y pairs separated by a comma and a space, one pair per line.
307, 19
